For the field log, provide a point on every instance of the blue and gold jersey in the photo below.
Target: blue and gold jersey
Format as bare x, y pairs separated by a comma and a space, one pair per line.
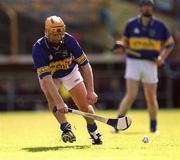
59, 61
147, 40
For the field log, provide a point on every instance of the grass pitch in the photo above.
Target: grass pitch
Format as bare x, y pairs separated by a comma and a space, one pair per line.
35, 136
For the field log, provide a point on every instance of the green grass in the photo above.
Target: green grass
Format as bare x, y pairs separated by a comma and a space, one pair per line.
35, 136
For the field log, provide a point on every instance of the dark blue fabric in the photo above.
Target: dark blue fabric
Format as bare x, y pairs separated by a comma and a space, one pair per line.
154, 31
61, 61
92, 127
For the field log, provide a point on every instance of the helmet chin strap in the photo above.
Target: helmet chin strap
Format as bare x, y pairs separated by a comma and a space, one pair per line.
54, 43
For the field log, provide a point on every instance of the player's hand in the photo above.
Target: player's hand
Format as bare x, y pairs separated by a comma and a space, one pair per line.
92, 97
159, 61
63, 108
119, 47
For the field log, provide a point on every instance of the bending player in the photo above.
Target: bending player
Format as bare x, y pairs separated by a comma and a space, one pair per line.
57, 57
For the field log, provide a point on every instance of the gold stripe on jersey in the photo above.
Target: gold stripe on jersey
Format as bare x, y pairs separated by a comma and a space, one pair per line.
168, 42
81, 59
43, 70
63, 64
138, 43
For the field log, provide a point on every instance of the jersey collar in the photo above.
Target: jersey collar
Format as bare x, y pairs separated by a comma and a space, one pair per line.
151, 22
48, 46
46, 42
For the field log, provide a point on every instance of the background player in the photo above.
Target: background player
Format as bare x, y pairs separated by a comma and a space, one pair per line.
56, 57
150, 37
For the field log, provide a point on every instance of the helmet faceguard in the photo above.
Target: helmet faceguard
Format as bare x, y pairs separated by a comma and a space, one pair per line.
54, 30
146, 11
146, 2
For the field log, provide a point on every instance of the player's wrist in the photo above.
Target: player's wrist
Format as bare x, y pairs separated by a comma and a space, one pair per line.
61, 105
161, 58
90, 88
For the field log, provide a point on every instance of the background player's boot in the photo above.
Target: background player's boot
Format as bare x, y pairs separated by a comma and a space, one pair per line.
68, 135
96, 137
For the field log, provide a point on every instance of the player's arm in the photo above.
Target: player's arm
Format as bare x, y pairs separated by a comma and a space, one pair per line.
45, 78
89, 82
86, 70
167, 45
167, 49
51, 89
121, 45
88, 77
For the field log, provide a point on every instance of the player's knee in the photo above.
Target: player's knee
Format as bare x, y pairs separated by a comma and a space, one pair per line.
131, 97
151, 98
91, 109
152, 101
87, 108
84, 107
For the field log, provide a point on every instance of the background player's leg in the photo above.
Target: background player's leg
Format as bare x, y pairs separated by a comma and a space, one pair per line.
150, 91
131, 93
79, 96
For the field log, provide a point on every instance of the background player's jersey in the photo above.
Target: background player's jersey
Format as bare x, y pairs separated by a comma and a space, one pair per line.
59, 61
147, 40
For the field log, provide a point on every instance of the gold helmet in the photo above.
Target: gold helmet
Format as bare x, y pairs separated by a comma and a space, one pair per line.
54, 30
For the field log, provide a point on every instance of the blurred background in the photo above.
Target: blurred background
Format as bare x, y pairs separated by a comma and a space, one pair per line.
96, 24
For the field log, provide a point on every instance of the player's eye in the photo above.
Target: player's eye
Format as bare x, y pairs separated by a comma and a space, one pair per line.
58, 30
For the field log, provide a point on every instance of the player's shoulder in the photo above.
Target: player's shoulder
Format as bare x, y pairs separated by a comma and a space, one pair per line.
157, 21
38, 43
133, 20
69, 40
68, 37
38, 46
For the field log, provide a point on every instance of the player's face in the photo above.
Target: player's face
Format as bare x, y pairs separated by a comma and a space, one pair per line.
146, 9
55, 37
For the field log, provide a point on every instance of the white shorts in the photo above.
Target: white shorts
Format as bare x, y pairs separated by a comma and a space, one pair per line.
72, 79
141, 70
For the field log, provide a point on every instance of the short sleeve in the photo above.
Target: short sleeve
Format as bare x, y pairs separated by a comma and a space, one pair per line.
41, 62
166, 33
78, 53
126, 32
166, 36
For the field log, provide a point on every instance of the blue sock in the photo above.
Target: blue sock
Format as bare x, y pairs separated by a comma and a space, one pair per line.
153, 124
120, 116
91, 127
63, 126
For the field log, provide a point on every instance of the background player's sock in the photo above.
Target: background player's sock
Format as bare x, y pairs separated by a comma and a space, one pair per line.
120, 116
153, 125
